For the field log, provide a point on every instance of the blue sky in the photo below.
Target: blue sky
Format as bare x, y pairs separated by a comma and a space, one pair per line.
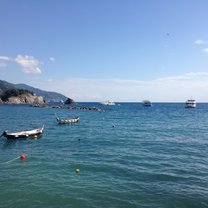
94, 50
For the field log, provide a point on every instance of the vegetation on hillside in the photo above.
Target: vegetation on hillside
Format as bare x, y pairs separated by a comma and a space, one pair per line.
48, 96
13, 92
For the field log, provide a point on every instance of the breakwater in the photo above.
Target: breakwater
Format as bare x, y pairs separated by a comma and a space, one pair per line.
69, 107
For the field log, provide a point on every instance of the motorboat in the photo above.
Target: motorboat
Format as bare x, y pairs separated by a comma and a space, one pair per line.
108, 102
190, 103
147, 103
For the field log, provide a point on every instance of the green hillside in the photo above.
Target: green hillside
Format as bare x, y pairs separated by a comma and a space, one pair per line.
48, 96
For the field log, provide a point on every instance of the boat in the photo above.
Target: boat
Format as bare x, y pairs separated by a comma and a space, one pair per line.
67, 121
191, 103
35, 133
108, 102
147, 103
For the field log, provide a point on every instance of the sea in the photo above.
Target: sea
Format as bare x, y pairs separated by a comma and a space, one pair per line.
124, 156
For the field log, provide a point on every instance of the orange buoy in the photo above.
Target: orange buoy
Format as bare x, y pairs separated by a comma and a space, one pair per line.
22, 157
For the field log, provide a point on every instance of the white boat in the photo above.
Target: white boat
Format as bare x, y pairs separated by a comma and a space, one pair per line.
108, 102
147, 103
67, 121
190, 103
35, 133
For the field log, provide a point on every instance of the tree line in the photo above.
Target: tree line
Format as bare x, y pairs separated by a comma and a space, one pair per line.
13, 93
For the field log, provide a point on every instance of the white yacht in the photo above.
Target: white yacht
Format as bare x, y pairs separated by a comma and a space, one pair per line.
108, 102
147, 103
190, 103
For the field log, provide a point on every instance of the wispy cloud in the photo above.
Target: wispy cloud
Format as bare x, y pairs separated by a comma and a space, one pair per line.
201, 42
185, 77
205, 50
165, 89
52, 59
5, 58
29, 64
197, 74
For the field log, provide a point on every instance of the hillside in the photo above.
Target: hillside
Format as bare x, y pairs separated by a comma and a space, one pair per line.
48, 96
20, 96
5, 86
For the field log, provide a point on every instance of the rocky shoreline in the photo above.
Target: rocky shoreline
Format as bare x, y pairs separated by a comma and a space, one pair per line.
20, 96
69, 107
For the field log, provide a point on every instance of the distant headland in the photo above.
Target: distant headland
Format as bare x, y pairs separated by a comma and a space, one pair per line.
25, 94
20, 96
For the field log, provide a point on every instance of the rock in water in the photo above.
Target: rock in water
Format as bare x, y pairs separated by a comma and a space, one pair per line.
69, 101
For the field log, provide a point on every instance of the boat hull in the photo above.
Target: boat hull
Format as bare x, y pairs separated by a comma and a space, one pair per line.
190, 104
147, 103
32, 134
67, 121
108, 102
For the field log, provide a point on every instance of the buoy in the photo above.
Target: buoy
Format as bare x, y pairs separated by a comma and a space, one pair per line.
35, 136
77, 170
22, 157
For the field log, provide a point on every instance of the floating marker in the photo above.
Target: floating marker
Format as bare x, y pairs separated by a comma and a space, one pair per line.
77, 170
22, 157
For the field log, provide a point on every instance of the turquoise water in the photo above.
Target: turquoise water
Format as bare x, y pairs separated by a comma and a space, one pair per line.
154, 157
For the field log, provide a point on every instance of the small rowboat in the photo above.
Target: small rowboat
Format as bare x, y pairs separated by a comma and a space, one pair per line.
35, 133
67, 121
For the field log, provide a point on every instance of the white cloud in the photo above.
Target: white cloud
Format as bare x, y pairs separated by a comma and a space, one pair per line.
187, 76
205, 50
166, 89
197, 74
29, 64
201, 42
5, 58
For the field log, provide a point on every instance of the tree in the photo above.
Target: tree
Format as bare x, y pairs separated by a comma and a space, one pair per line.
13, 93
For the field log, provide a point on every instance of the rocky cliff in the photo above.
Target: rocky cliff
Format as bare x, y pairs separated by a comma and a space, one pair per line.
26, 99
69, 101
20, 96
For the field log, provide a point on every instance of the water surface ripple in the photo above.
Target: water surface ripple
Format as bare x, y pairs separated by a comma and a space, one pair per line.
153, 157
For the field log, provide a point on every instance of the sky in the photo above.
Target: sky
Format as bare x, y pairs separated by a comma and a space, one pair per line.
97, 50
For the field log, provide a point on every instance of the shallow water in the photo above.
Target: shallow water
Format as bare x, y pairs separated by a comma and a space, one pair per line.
153, 157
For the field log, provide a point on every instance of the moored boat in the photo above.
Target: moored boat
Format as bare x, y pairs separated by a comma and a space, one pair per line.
67, 121
35, 133
147, 103
190, 104
108, 102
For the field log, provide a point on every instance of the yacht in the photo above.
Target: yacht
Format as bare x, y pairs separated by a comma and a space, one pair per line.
108, 102
190, 103
147, 103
